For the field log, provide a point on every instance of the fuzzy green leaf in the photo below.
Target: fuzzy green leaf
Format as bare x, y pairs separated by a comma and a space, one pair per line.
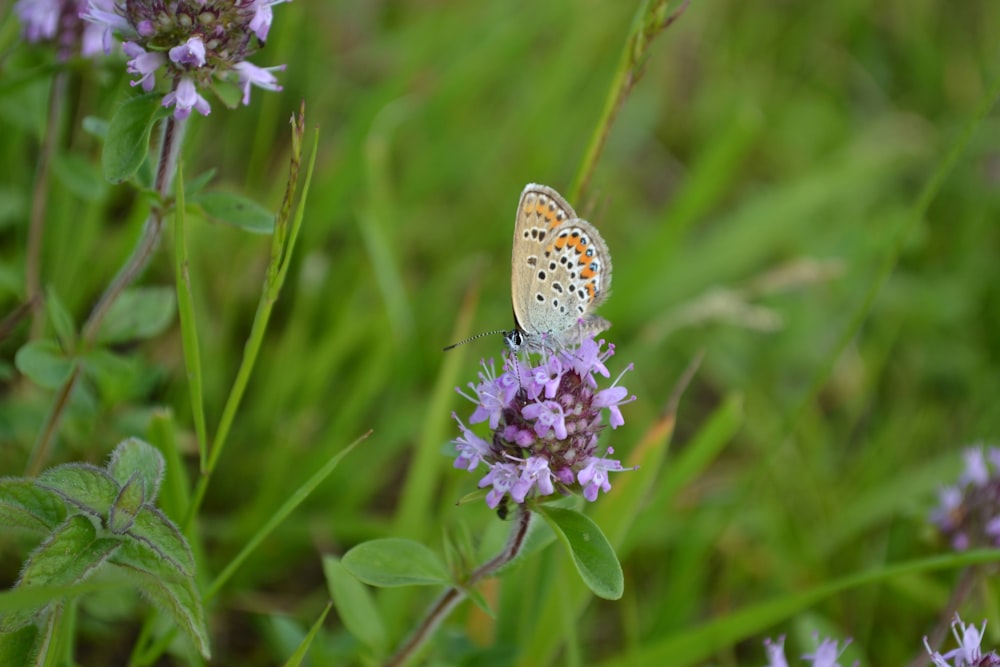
162, 543
89, 488
175, 595
394, 561
139, 313
127, 142
236, 210
355, 605
126, 506
133, 456
20, 647
592, 554
25, 505
44, 362
71, 554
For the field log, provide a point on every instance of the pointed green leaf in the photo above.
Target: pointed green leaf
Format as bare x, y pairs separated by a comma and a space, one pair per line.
300, 653
25, 505
44, 362
139, 313
592, 554
126, 506
160, 544
61, 320
355, 605
133, 456
394, 561
236, 210
127, 142
71, 554
174, 595
89, 488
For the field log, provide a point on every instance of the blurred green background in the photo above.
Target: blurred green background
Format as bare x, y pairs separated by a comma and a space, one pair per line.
750, 190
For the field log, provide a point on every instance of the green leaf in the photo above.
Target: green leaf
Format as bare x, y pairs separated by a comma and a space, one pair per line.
592, 554
236, 210
355, 606
80, 177
300, 653
89, 488
25, 505
44, 363
128, 136
176, 596
61, 320
133, 456
394, 561
200, 182
162, 543
20, 647
71, 554
126, 506
139, 313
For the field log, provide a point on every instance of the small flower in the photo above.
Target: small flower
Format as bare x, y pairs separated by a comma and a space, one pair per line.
969, 653
143, 63
594, 476
185, 98
545, 418
260, 24
249, 74
535, 472
502, 477
968, 513
190, 42
826, 653
775, 652
471, 448
190, 53
548, 416
61, 21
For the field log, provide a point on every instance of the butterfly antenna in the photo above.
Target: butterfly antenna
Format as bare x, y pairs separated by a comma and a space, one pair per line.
472, 338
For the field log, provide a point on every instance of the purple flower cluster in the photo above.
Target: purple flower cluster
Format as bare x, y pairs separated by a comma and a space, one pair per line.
545, 420
969, 511
826, 654
969, 653
189, 43
59, 21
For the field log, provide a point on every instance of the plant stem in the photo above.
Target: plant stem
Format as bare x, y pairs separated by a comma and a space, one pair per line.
441, 607
650, 20
173, 134
39, 199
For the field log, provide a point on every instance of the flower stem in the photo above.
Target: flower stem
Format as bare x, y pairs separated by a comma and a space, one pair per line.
173, 134
650, 20
441, 607
39, 198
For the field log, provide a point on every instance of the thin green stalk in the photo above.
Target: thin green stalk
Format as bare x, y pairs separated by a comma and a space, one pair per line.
447, 601
189, 328
650, 20
173, 134
286, 232
294, 500
39, 198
